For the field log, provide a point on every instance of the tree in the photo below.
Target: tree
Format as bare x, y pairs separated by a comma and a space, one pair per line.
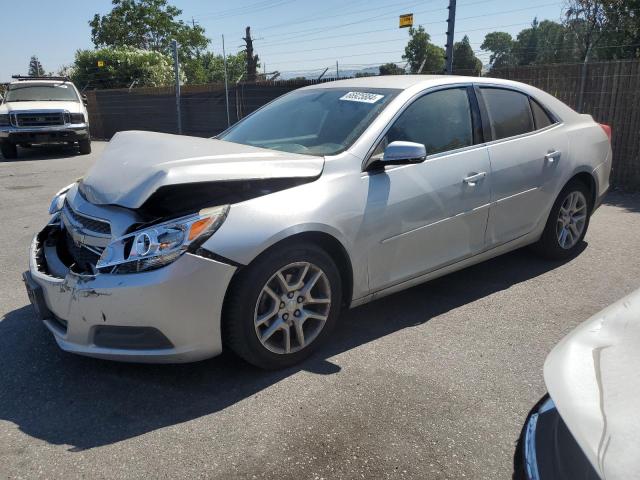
422, 55
500, 44
209, 68
122, 66
526, 46
587, 20
465, 61
391, 69
35, 67
146, 25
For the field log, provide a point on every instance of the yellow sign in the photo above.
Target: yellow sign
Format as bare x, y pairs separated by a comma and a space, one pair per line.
406, 20
100, 63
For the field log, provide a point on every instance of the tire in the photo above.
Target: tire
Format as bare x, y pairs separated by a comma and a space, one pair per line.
85, 146
9, 150
549, 245
248, 301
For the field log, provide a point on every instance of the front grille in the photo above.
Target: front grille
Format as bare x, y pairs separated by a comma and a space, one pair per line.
84, 258
47, 119
87, 223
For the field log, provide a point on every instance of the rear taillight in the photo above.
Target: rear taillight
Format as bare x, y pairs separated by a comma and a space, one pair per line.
607, 130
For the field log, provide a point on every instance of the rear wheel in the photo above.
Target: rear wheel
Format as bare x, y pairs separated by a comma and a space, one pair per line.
568, 222
85, 146
9, 150
281, 308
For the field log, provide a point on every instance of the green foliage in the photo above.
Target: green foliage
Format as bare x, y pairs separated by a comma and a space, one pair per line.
148, 25
391, 69
597, 29
419, 49
35, 67
500, 44
464, 60
122, 67
209, 68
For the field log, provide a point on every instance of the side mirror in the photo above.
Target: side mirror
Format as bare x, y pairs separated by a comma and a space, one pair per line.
402, 153
85, 101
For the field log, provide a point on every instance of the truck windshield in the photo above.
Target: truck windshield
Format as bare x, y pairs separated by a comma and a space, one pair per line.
321, 121
41, 93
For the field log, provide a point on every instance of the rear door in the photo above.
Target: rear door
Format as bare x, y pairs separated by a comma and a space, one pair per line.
428, 215
524, 161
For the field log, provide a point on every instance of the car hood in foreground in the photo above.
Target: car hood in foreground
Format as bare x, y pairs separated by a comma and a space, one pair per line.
593, 376
136, 164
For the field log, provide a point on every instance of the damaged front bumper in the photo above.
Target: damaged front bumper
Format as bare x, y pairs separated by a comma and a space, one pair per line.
168, 315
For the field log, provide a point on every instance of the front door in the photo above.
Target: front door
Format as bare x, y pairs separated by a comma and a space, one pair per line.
428, 215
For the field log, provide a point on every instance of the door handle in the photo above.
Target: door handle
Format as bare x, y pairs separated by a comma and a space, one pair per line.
471, 180
552, 156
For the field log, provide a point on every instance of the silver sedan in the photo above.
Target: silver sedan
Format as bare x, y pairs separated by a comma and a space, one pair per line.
172, 248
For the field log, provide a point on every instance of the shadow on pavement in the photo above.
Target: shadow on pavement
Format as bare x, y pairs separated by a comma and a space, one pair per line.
43, 152
628, 201
66, 399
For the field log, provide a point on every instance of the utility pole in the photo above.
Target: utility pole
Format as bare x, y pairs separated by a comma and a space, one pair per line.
252, 60
337, 71
226, 84
176, 68
451, 26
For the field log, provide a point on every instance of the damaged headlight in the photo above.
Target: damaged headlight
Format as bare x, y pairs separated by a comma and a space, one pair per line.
160, 244
58, 200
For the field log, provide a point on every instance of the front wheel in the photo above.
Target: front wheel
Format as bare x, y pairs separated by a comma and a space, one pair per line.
85, 146
9, 150
567, 223
282, 307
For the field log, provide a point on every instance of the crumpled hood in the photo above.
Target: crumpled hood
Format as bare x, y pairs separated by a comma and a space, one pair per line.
71, 107
135, 164
593, 377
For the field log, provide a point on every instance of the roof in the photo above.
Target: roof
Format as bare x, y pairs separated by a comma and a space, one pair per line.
404, 82
40, 81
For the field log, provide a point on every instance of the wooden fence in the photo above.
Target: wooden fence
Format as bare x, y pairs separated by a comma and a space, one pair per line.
611, 96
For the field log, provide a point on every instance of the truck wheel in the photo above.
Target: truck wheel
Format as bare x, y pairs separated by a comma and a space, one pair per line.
9, 150
283, 306
85, 146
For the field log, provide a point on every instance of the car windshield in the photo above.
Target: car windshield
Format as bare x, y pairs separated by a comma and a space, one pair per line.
321, 121
41, 93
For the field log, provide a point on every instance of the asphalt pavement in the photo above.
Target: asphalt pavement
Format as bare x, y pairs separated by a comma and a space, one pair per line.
433, 382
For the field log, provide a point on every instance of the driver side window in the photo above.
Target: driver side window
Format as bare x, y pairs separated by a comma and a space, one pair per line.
441, 121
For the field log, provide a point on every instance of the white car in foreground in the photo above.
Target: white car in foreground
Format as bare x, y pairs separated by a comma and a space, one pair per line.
43, 110
589, 425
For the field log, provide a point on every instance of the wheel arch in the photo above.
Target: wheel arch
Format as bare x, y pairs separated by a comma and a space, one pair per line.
589, 180
328, 243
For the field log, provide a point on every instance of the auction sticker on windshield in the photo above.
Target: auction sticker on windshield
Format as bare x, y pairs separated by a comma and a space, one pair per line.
363, 97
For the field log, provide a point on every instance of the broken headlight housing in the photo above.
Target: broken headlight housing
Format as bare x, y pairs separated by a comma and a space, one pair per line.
58, 200
158, 245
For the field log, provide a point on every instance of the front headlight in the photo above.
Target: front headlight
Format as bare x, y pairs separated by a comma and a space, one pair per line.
160, 244
58, 200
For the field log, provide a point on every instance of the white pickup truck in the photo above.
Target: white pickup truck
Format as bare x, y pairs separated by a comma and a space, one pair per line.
41, 110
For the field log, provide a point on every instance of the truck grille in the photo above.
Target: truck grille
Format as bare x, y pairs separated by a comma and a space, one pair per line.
87, 223
44, 119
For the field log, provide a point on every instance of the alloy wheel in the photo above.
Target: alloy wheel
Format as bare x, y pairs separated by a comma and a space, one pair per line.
572, 218
292, 308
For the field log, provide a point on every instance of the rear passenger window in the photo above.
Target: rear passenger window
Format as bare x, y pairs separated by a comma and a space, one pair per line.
509, 112
540, 116
441, 121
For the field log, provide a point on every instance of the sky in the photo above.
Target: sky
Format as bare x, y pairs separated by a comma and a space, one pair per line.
290, 35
